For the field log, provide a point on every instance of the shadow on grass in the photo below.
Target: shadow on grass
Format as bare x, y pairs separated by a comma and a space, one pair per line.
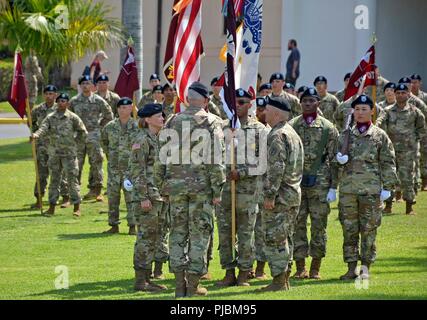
83, 236
15, 152
402, 264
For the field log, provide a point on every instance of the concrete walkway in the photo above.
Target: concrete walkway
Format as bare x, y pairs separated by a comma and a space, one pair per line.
8, 131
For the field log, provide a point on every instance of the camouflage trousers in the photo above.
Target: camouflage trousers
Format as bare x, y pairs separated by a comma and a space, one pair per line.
423, 157
190, 233
360, 216
43, 169
114, 188
95, 154
246, 211
149, 240
68, 167
259, 239
406, 172
313, 204
278, 226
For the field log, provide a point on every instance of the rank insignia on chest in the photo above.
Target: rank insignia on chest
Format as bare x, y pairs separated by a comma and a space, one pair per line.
136, 146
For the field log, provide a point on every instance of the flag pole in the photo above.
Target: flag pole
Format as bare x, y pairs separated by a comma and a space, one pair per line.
374, 89
134, 109
34, 152
233, 199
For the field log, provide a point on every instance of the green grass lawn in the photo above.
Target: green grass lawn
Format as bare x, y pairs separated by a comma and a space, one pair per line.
100, 266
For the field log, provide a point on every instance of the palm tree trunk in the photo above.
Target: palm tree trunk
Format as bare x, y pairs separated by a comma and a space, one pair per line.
132, 20
60, 75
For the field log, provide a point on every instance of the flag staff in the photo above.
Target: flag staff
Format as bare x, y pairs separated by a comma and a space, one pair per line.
374, 89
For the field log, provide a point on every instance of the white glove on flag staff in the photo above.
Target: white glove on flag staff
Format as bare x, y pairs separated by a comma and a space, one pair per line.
342, 159
127, 185
385, 194
332, 195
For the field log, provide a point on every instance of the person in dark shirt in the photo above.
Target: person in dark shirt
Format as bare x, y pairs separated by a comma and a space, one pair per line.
293, 63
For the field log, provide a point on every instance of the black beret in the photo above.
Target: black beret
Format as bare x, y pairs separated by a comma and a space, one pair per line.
320, 79
200, 88
362, 99
240, 93
288, 86
347, 76
102, 77
157, 88
125, 101
277, 76
150, 109
265, 86
416, 77
405, 80
302, 89
260, 102
50, 88
391, 85
214, 80
63, 95
165, 86
84, 78
401, 87
310, 92
154, 76
278, 102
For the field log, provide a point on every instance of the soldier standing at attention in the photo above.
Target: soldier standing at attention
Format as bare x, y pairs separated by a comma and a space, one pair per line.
103, 90
169, 101
148, 96
281, 191
194, 189
340, 94
265, 90
215, 103
95, 114
328, 102
146, 196
368, 176
65, 132
405, 125
116, 141
318, 186
416, 82
390, 97
277, 81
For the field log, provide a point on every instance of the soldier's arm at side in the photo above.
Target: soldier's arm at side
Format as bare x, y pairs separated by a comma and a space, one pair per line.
44, 128
104, 140
137, 171
80, 128
107, 114
275, 168
35, 127
216, 171
387, 161
420, 125
331, 147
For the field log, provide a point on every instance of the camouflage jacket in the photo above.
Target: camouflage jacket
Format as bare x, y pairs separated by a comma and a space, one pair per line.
311, 136
340, 95
116, 141
404, 127
38, 114
417, 102
381, 82
112, 98
293, 102
218, 103
141, 170
184, 175
285, 157
422, 95
328, 105
146, 98
65, 130
214, 109
168, 109
93, 110
371, 165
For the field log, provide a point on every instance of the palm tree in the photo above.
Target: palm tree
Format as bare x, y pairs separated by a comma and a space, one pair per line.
33, 24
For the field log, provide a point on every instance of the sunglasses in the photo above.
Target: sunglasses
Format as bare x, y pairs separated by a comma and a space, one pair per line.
241, 102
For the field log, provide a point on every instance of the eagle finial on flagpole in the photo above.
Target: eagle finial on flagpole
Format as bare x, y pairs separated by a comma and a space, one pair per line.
130, 41
374, 38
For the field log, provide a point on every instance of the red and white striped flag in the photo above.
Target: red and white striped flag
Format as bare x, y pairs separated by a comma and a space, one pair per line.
188, 46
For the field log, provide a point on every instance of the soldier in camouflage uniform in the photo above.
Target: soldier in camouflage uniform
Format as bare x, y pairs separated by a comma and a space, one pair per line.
319, 183
265, 90
277, 81
95, 113
38, 114
116, 141
381, 82
416, 82
246, 202
328, 102
146, 196
34, 76
65, 131
281, 191
389, 95
169, 101
340, 94
148, 96
215, 103
368, 176
102, 90
194, 188
405, 125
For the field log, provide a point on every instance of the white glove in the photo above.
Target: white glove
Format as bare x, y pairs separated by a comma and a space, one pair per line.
385, 194
332, 195
127, 185
342, 159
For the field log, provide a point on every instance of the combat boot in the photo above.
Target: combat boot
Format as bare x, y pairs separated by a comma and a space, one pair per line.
315, 268
90, 195
351, 272
180, 285
113, 230
38, 204
259, 271
193, 287
50, 211
132, 231
301, 272
242, 279
76, 210
424, 184
398, 196
142, 283
229, 279
151, 286
409, 210
158, 273
207, 275
388, 207
280, 282
98, 194
65, 202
